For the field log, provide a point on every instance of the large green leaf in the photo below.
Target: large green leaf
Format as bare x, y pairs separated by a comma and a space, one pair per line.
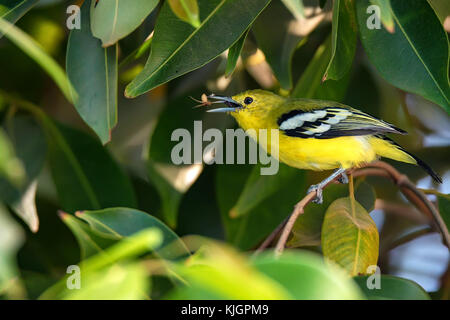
343, 39
350, 236
233, 54
13, 10
93, 76
385, 14
310, 84
11, 167
114, 20
123, 222
178, 48
85, 175
391, 288
414, 58
305, 276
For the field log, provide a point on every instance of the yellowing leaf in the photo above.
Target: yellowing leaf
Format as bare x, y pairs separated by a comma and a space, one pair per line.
350, 236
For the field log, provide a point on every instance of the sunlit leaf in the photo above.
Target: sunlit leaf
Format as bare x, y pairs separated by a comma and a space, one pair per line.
186, 10
93, 76
415, 57
343, 39
114, 20
178, 48
391, 288
350, 236
305, 276
11, 167
233, 54
385, 14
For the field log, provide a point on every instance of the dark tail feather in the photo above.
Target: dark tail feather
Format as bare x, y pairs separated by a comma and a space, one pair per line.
419, 161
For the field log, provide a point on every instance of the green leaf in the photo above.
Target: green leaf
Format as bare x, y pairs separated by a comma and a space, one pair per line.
94, 77
415, 57
178, 48
90, 241
305, 276
11, 167
114, 20
11, 239
343, 39
30, 47
118, 282
29, 141
247, 231
13, 10
385, 14
295, 7
391, 288
85, 175
444, 208
186, 10
124, 222
350, 236
310, 84
124, 250
365, 195
233, 54
441, 7
278, 39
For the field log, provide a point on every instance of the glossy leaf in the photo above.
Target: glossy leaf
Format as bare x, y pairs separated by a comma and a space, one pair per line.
343, 39
179, 48
350, 236
233, 54
415, 57
13, 10
295, 7
305, 276
94, 77
90, 241
30, 47
85, 175
124, 222
114, 20
386, 16
391, 288
186, 10
310, 84
441, 7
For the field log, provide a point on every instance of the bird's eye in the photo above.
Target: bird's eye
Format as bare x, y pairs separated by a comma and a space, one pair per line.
248, 100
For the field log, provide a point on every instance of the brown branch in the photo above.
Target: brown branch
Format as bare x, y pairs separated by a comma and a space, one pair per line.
378, 168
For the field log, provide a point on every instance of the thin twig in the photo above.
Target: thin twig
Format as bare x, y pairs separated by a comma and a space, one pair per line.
378, 168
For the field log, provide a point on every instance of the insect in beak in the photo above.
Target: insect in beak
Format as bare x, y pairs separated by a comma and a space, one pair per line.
232, 104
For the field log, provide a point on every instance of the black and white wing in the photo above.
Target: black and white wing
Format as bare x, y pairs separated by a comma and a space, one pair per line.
332, 122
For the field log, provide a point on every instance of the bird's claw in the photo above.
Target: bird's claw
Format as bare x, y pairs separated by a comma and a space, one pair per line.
318, 189
343, 178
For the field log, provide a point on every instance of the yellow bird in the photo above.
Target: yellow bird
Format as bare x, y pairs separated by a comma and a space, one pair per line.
317, 134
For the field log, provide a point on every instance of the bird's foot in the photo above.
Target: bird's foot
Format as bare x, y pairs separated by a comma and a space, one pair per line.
318, 189
343, 178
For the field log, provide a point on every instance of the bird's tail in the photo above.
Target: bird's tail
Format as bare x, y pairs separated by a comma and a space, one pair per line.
388, 148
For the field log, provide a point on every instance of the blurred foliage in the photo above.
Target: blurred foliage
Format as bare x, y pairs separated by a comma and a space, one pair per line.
141, 227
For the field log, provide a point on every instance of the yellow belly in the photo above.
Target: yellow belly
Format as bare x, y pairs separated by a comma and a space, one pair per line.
325, 154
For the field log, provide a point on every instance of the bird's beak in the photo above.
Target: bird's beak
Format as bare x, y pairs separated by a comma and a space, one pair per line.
233, 105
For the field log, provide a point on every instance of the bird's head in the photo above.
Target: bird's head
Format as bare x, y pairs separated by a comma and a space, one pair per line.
251, 102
